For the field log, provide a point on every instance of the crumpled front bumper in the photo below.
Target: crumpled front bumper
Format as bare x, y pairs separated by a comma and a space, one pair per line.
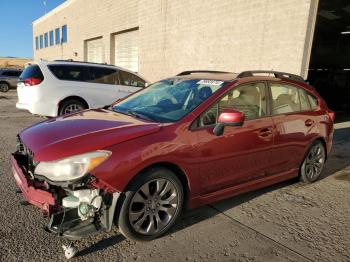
37, 197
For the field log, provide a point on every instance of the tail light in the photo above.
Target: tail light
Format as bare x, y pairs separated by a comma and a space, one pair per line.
331, 114
32, 81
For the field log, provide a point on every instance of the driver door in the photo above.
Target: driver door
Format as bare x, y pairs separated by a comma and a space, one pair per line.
242, 153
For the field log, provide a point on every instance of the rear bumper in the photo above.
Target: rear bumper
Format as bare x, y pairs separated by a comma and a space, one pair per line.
37, 197
39, 108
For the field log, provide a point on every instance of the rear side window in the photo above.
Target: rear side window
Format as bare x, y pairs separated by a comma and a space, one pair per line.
70, 72
128, 79
32, 71
304, 101
313, 101
104, 75
285, 99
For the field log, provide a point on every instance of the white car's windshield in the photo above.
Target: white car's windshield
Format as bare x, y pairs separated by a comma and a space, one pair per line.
168, 100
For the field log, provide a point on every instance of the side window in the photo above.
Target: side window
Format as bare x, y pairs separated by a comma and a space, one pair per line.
129, 79
304, 102
313, 101
285, 99
70, 72
104, 75
249, 99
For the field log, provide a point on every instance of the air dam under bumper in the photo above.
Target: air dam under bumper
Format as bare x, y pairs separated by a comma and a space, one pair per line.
37, 197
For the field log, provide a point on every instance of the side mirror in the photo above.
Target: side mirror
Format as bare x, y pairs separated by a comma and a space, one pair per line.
229, 117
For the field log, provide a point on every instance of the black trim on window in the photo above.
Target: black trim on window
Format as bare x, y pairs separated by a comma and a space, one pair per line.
194, 126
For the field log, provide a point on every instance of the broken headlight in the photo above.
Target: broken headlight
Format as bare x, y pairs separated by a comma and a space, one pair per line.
71, 168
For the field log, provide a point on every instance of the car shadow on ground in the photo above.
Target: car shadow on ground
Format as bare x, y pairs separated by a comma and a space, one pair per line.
336, 162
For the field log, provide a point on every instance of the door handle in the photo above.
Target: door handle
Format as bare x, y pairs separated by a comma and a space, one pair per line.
309, 122
265, 132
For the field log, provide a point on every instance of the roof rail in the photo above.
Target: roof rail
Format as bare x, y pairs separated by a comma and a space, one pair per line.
275, 73
201, 71
76, 61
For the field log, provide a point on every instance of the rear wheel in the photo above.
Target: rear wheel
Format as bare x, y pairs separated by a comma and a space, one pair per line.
71, 106
4, 87
152, 205
313, 163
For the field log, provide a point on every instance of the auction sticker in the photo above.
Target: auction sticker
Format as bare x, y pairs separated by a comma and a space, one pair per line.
210, 82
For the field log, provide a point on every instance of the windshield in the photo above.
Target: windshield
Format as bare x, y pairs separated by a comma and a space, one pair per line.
168, 100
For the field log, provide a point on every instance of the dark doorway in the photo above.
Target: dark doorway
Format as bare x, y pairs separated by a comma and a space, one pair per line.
329, 70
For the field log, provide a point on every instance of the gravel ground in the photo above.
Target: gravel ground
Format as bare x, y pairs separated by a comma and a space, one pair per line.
287, 222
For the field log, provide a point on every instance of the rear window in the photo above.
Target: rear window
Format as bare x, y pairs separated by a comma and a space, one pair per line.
70, 72
32, 71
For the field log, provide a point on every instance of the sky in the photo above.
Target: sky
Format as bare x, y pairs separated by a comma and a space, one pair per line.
16, 38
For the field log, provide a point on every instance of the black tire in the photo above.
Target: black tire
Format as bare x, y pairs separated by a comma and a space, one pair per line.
313, 163
4, 87
71, 103
146, 180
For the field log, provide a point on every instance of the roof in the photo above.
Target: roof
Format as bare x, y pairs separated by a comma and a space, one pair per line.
221, 76
82, 63
53, 11
229, 76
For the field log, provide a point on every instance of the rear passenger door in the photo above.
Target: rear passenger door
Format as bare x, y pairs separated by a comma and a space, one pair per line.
295, 125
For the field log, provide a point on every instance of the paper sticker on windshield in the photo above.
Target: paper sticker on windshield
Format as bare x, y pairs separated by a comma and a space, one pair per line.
210, 82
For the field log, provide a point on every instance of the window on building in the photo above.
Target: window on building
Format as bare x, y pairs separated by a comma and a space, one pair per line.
46, 39
36, 43
285, 98
51, 38
41, 41
64, 34
70, 72
57, 36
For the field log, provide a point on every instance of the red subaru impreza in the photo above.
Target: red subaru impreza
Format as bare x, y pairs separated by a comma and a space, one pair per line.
189, 140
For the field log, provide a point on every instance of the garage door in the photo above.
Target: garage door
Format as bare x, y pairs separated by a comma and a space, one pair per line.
95, 51
127, 50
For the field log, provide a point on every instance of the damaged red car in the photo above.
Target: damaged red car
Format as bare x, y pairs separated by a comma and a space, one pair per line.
185, 141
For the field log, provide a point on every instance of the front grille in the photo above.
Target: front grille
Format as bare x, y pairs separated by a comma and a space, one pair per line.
28, 155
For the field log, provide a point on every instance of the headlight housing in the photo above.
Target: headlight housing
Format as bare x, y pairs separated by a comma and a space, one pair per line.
71, 168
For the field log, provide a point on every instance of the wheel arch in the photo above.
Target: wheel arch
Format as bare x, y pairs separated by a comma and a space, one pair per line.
323, 141
181, 175
70, 98
4, 81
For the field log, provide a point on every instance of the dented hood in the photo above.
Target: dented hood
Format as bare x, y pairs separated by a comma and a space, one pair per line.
83, 132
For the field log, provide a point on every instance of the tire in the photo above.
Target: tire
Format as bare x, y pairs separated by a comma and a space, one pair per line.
71, 106
144, 214
4, 87
313, 163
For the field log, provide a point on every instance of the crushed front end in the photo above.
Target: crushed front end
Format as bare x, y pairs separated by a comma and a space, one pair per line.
76, 208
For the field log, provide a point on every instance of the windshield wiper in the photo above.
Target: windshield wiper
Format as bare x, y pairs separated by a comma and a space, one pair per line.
138, 115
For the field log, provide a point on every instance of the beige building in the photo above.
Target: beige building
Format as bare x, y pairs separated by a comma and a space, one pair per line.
160, 38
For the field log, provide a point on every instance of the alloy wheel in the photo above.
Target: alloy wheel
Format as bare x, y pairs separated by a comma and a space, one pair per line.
314, 162
72, 108
153, 206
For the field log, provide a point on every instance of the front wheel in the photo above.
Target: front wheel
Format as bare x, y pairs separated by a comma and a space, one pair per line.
151, 206
313, 163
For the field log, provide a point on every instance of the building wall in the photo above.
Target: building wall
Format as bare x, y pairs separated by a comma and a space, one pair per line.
178, 35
